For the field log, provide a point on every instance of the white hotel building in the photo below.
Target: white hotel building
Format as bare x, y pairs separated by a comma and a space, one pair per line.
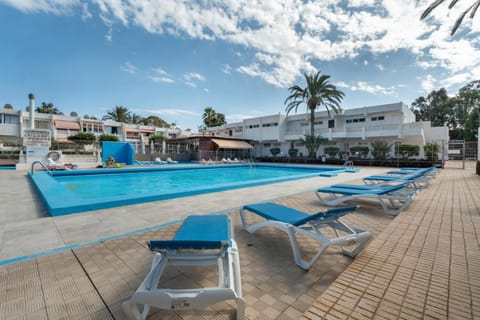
393, 123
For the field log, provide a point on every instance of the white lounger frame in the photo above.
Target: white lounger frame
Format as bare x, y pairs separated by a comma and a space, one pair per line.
312, 229
398, 200
229, 284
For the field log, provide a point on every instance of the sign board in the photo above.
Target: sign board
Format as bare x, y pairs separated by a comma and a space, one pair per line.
36, 153
36, 137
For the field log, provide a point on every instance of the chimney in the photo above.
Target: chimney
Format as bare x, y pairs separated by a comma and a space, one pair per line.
31, 107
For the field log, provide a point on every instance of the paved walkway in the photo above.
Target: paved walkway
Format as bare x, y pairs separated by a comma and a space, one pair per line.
423, 264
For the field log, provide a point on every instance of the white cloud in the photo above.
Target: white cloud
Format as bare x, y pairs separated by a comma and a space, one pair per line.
160, 71
193, 76
129, 68
60, 7
428, 83
170, 112
158, 79
191, 84
291, 36
226, 69
365, 87
85, 12
205, 89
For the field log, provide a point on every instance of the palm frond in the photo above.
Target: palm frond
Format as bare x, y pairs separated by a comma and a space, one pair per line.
459, 21
430, 9
474, 9
450, 6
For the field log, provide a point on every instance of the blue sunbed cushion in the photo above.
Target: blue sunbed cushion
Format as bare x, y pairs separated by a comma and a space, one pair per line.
277, 212
198, 232
349, 190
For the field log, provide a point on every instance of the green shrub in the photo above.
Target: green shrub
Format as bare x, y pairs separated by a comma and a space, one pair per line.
380, 149
431, 151
292, 152
409, 150
108, 137
332, 151
83, 137
157, 137
275, 151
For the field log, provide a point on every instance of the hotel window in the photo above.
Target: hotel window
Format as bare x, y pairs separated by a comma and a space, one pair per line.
318, 122
331, 124
377, 118
252, 126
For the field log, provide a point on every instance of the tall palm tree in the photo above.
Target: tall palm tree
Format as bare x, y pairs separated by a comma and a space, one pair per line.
119, 114
319, 92
472, 9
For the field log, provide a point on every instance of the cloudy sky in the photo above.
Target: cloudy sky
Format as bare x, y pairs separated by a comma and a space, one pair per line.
173, 58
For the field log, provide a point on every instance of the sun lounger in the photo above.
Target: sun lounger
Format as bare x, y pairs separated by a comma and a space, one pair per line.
53, 165
393, 198
159, 161
292, 221
169, 160
417, 179
197, 234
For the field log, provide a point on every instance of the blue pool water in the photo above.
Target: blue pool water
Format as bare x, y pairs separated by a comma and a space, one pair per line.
66, 192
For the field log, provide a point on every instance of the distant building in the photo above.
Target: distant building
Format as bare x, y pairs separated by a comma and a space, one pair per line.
353, 127
14, 122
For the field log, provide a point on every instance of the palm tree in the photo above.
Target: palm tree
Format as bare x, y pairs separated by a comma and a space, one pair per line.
472, 9
135, 118
119, 114
209, 116
319, 92
47, 108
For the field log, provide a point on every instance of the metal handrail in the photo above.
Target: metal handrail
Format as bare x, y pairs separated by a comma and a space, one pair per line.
43, 165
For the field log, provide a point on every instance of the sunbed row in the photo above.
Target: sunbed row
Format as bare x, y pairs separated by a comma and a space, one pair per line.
209, 239
223, 161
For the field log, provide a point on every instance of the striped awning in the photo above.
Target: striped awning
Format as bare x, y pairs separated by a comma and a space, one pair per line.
232, 144
67, 125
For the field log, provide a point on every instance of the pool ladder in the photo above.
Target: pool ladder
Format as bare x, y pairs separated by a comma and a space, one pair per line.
251, 163
42, 165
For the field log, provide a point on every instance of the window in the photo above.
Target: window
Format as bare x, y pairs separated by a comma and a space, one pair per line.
377, 118
272, 124
114, 130
318, 122
230, 132
9, 118
252, 126
331, 123
381, 118
356, 120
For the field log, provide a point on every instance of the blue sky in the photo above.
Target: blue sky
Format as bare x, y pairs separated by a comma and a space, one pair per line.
173, 58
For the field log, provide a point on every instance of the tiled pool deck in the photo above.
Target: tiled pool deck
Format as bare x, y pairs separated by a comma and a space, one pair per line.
423, 264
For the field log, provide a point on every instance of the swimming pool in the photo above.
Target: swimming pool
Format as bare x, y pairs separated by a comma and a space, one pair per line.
65, 192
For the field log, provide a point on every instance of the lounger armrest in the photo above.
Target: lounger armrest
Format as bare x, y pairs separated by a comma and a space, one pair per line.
158, 245
329, 215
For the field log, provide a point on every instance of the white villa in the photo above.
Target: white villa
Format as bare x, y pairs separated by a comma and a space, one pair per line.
393, 123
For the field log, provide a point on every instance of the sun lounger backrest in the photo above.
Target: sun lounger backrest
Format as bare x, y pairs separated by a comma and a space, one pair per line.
198, 232
276, 212
329, 215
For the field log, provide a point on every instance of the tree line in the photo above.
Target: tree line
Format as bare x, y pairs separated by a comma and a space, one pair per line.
460, 113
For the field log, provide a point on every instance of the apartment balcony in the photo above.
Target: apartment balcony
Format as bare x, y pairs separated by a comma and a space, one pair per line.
9, 129
361, 132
